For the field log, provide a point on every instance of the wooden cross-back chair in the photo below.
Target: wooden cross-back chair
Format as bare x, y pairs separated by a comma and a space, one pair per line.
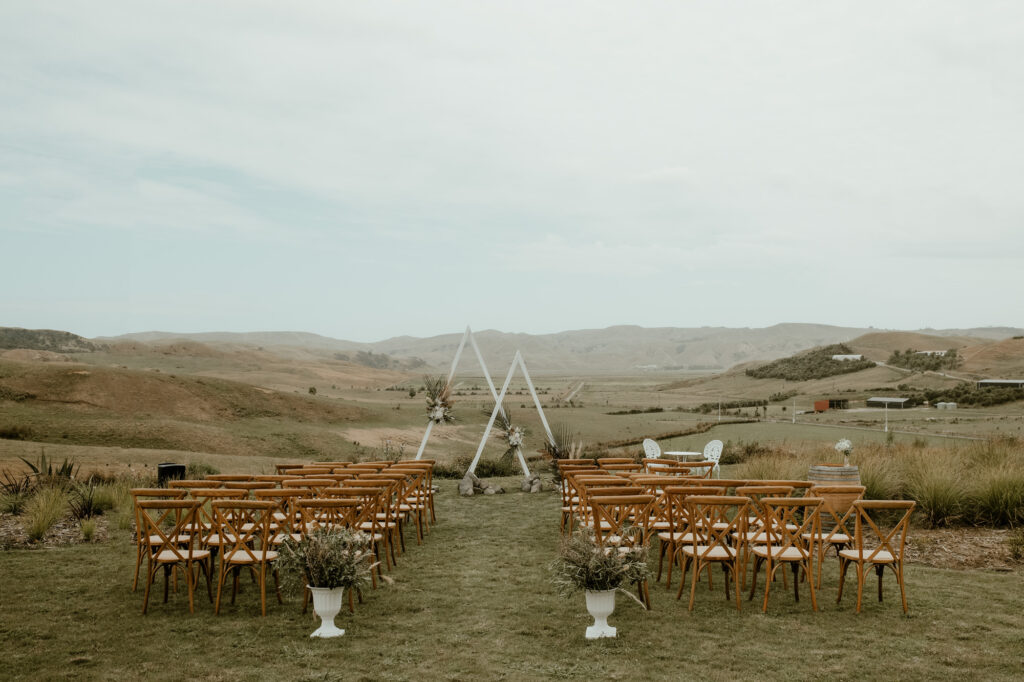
678, 531
283, 469
169, 543
605, 462
621, 525
275, 478
426, 486
837, 514
656, 465
189, 483
210, 534
138, 495
572, 497
287, 512
228, 477
245, 524
888, 548
786, 522
326, 512
694, 469
372, 519
713, 521
799, 488
249, 486
317, 485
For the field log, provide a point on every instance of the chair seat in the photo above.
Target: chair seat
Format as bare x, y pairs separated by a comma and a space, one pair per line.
837, 539
883, 557
169, 557
216, 540
675, 537
241, 557
716, 553
780, 554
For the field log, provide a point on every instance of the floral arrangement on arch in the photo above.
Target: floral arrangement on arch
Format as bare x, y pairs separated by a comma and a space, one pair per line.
511, 433
439, 399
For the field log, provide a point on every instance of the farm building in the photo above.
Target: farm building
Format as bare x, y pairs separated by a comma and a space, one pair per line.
831, 404
1001, 383
934, 353
893, 403
945, 406
847, 357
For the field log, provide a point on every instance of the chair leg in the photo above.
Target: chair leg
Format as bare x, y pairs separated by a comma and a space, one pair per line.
899, 579
860, 584
879, 571
149, 583
190, 585
221, 576
796, 582
263, 588
167, 577
696, 579
138, 564
753, 576
768, 577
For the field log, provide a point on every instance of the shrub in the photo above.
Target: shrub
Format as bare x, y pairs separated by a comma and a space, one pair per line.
46, 508
45, 470
197, 470
814, 364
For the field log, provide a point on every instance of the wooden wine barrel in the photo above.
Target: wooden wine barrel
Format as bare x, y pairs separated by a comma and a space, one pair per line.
834, 474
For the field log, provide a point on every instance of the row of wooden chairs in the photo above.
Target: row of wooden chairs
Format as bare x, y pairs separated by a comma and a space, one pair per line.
761, 521
218, 518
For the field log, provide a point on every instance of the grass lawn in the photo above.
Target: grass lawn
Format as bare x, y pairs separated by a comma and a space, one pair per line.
475, 602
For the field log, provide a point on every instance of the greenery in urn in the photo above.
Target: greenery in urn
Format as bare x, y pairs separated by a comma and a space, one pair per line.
582, 564
326, 557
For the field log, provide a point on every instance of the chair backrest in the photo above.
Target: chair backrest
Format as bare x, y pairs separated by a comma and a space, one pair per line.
228, 477
651, 449
187, 484
799, 487
165, 526
718, 517
791, 522
893, 540
837, 506
713, 451
286, 500
726, 483
605, 462
276, 478
314, 484
322, 512
756, 493
675, 500
249, 486
244, 527
623, 468
621, 520
695, 469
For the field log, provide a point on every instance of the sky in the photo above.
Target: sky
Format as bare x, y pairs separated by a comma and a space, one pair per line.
365, 170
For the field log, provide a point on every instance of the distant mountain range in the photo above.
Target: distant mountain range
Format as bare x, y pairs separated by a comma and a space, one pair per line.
614, 349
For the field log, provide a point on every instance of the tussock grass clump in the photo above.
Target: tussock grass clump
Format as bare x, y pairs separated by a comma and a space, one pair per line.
997, 497
777, 466
88, 527
47, 507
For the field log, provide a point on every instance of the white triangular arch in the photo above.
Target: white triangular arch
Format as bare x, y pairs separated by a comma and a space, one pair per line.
467, 335
517, 361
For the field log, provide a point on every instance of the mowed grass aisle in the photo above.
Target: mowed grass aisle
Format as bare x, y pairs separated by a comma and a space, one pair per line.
475, 602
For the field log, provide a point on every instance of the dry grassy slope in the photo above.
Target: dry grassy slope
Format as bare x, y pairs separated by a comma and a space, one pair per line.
281, 368
879, 346
125, 392
1000, 360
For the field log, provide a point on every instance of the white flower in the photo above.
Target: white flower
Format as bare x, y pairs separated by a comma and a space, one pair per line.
438, 414
515, 437
844, 446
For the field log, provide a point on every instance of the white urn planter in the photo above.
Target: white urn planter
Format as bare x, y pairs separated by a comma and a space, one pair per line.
600, 604
327, 604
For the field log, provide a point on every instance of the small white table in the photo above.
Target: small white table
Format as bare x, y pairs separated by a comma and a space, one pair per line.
684, 455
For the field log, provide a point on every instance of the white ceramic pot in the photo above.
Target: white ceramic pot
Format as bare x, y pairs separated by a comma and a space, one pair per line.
327, 604
600, 604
